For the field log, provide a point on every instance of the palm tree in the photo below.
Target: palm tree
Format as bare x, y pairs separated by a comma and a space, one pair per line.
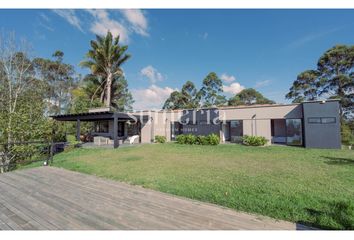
105, 60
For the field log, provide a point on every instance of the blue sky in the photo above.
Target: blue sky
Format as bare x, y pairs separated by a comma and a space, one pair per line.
263, 49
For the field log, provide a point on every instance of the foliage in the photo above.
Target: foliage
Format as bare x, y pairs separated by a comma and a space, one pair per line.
186, 99
347, 133
211, 91
92, 92
59, 79
249, 96
305, 87
211, 139
333, 78
160, 139
210, 95
104, 59
254, 140
257, 180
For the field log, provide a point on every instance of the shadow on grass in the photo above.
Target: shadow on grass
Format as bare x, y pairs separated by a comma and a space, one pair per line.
339, 215
339, 161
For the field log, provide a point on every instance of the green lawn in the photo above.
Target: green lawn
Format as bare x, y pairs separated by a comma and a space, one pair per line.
312, 186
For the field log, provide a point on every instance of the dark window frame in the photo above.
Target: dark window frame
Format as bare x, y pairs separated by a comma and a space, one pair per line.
333, 118
320, 120
313, 118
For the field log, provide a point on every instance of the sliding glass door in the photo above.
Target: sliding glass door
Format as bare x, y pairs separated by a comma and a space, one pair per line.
294, 132
236, 130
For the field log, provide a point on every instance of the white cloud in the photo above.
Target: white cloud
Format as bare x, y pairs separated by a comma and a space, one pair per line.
264, 83
137, 19
104, 23
70, 16
152, 74
227, 78
151, 98
205, 35
234, 88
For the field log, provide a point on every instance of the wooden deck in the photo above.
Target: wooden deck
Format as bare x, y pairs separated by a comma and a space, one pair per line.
53, 198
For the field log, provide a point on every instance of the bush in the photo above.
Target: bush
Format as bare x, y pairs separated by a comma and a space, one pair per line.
254, 140
160, 139
191, 139
181, 139
213, 139
347, 136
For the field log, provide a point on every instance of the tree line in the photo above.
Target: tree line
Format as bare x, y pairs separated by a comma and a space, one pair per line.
32, 88
211, 95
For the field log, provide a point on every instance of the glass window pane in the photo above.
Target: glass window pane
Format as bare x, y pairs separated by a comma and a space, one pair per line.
294, 132
236, 130
326, 120
314, 120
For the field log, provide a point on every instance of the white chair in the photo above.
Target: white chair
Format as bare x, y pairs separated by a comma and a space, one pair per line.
132, 139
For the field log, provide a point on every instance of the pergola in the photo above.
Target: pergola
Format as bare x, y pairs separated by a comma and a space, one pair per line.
97, 116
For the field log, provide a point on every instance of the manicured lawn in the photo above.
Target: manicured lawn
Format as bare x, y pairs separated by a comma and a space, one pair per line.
301, 185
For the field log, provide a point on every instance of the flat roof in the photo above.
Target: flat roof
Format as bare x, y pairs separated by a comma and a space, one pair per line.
93, 116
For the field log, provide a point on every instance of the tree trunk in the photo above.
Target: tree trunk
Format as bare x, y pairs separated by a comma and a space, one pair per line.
109, 90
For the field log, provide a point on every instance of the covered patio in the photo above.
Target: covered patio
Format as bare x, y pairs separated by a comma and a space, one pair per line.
108, 124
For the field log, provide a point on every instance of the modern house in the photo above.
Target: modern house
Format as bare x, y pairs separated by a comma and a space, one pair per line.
309, 124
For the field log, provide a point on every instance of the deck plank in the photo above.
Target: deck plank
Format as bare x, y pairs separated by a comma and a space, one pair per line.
54, 198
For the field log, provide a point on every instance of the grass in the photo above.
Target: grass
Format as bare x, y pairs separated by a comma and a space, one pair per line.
310, 186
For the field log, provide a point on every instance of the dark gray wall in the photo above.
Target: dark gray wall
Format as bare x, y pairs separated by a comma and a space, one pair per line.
321, 135
200, 122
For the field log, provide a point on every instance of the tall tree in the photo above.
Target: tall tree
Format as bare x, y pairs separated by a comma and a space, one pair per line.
189, 95
337, 68
305, 87
211, 91
121, 97
333, 78
60, 79
21, 98
249, 96
104, 59
174, 101
186, 98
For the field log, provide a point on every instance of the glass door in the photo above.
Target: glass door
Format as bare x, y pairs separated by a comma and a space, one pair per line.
236, 131
294, 132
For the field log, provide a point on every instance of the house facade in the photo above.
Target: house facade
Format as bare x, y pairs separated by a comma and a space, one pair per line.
309, 124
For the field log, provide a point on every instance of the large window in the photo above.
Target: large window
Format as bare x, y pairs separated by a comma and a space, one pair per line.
321, 120
121, 129
101, 127
294, 132
236, 130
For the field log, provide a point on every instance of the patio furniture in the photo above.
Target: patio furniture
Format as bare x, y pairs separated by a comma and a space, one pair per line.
133, 138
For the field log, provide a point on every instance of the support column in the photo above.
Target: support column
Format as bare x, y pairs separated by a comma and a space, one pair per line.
78, 129
115, 131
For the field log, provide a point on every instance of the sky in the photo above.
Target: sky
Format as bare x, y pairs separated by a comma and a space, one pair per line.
261, 49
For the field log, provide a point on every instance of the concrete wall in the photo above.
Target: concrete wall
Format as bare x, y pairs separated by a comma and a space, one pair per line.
322, 135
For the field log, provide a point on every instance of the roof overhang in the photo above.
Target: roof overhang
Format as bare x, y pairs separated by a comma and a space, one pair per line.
96, 116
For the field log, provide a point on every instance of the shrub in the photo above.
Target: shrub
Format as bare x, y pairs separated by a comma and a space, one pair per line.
254, 140
213, 139
202, 140
160, 139
191, 139
181, 139
347, 136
